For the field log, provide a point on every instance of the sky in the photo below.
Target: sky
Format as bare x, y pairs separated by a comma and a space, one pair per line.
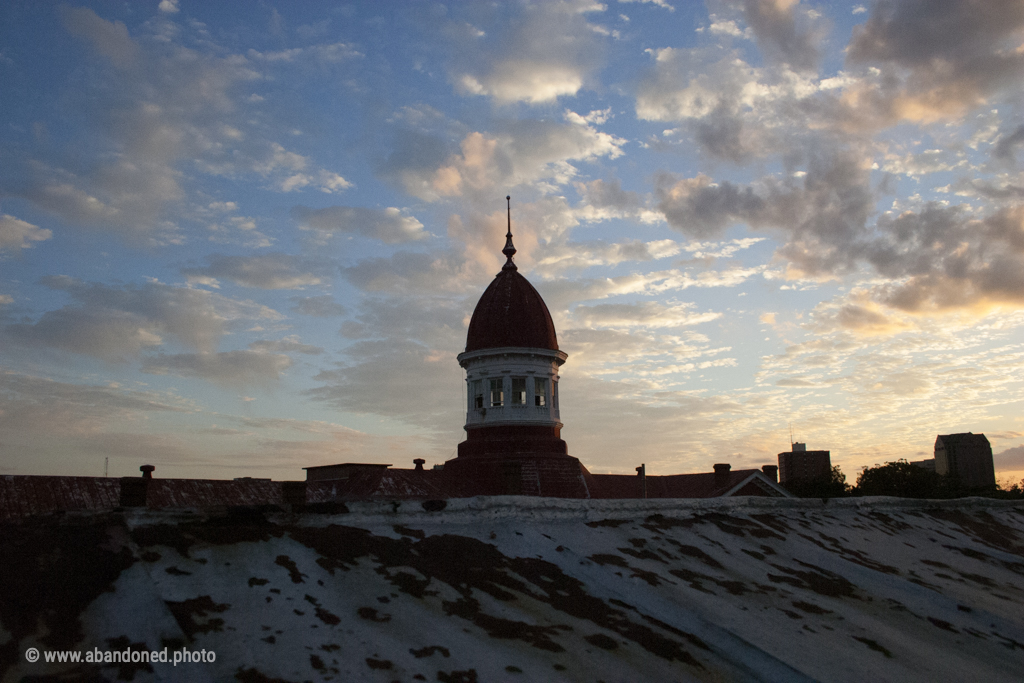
242, 238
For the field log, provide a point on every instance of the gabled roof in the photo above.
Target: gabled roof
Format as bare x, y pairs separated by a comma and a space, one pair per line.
698, 485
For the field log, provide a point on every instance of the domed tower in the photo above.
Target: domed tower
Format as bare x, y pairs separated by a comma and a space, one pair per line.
513, 427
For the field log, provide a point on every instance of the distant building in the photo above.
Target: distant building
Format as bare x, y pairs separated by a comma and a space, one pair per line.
801, 464
928, 464
967, 457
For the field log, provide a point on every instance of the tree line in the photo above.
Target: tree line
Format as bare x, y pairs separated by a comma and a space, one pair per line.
899, 479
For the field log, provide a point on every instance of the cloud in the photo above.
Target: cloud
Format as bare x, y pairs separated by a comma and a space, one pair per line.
400, 364
948, 375
547, 51
858, 314
523, 152
402, 379
62, 428
160, 115
822, 215
325, 181
161, 105
557, 259
118, 323
560, 294
290, 344
595, 351
607, 194
414, 272
1004, 149
322, 53
84, 406
108, 38
735, 111
923, 163
230, 368
108, 334
1010, 459
939, 58
18, 234
266, 271
942, 257
659, 3
318, 306
649, 314
475, 254
437, 323
389, 225
785, 32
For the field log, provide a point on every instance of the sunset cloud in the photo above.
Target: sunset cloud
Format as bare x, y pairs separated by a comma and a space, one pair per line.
251, 242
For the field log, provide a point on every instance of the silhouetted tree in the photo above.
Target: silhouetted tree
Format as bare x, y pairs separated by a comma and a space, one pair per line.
1015, 492
904, 480
833, 486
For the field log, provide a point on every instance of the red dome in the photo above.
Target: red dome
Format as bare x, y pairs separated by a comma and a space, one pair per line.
511, 313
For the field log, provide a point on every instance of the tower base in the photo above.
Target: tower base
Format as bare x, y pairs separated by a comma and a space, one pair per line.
517, 461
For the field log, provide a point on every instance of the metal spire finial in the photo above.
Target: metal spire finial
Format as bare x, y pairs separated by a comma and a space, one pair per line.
509, 249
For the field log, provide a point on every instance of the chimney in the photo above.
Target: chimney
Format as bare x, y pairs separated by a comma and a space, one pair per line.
419, 464
147, 471
772, 472
722, 474
642, 473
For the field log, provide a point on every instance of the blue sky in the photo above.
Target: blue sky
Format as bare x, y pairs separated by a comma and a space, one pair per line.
237, 239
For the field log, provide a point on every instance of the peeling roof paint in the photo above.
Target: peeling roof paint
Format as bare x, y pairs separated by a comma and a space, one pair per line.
514, 588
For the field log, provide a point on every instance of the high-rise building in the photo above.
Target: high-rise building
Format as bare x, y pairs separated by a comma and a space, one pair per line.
967, 457
801, 464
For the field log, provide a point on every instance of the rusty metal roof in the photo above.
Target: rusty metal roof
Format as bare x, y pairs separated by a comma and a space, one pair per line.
21, 496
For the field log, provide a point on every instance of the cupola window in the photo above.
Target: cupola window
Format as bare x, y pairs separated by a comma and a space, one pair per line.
540, 392
497, 393
478, 394
519, 391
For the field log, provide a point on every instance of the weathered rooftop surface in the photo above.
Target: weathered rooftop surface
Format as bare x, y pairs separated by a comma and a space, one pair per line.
528, 589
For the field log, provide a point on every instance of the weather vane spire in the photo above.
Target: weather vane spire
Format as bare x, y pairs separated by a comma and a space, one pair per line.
509, 249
